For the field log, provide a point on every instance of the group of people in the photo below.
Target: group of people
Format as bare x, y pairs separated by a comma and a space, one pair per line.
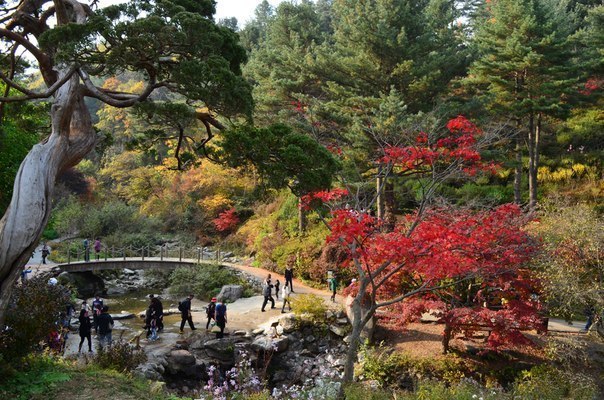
216, 313
154, 318
288, 288
102, 322
97, 246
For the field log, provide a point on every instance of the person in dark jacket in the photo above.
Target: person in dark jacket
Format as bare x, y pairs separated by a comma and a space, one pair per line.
267, 290
185, 313
289, 277
220, 315
210, 312
84, 330
104, 326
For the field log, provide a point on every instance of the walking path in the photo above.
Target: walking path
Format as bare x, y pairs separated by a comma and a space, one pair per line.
245, 314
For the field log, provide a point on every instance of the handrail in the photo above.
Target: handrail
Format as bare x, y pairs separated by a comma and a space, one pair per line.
76, 252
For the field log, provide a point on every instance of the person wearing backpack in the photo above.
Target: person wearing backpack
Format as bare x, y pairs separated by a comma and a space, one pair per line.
220, 315
185, 313
267, 289
210, 312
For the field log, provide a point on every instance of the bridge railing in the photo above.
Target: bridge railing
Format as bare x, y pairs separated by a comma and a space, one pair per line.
78, 252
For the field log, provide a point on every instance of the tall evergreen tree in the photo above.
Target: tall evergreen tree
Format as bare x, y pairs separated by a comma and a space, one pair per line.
525, 71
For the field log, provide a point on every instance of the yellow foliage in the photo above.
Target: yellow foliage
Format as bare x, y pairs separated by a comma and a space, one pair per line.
215, 204
564, 174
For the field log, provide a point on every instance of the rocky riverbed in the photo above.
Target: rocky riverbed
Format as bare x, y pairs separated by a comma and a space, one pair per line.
287, 349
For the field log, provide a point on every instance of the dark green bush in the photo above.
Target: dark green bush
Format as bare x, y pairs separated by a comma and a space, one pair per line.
120, 356
32, 314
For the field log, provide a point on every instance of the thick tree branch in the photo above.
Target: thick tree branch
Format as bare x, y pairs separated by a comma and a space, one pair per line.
29, 95
93, 91
50, 76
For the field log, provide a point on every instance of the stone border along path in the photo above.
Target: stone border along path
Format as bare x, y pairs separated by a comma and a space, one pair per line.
245, 314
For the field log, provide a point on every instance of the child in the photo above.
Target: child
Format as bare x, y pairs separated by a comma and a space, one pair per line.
154, 335
277, 283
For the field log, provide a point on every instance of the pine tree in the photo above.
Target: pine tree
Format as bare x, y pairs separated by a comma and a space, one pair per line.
525, 70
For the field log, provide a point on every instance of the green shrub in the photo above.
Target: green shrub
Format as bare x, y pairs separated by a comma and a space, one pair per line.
309, 306
33, 312
120, 356
36, 375
387, 367
204, 281
357, 391
547, 382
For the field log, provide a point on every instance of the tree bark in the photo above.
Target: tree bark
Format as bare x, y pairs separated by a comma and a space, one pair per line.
353, 346
379, 192
518, 172
389, 205
21, 227
302, 221
534, 132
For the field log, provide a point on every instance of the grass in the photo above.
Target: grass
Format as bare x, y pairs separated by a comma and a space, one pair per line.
44, 377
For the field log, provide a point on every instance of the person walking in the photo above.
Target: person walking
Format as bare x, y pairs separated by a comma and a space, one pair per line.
85, 330
285, 293
220, 315
86, 244
210, 309
590, 312
185, 313
105, 326
97, 248
277, 284
333, 286
289, 278
159, 307
97, 308
266, 291
45, 253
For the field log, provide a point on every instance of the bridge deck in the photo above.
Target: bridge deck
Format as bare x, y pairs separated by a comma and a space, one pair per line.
132, 263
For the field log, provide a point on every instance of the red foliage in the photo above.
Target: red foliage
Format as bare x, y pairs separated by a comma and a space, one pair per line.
323, 196
427, 260
226, 220
488, 248
592, 85
457, 147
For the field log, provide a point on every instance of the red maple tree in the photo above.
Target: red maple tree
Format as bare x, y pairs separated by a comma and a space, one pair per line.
226, 220
418, 265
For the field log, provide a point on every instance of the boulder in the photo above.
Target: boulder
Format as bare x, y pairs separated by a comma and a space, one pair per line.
288, 322
127, 271
369, 328
265, 343
183, 363
116, 290
86, 283
220, 349
231, 293
122, 315
338, 330
258, 331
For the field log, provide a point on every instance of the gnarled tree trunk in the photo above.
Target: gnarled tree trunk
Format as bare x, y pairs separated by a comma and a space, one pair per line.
21, 227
